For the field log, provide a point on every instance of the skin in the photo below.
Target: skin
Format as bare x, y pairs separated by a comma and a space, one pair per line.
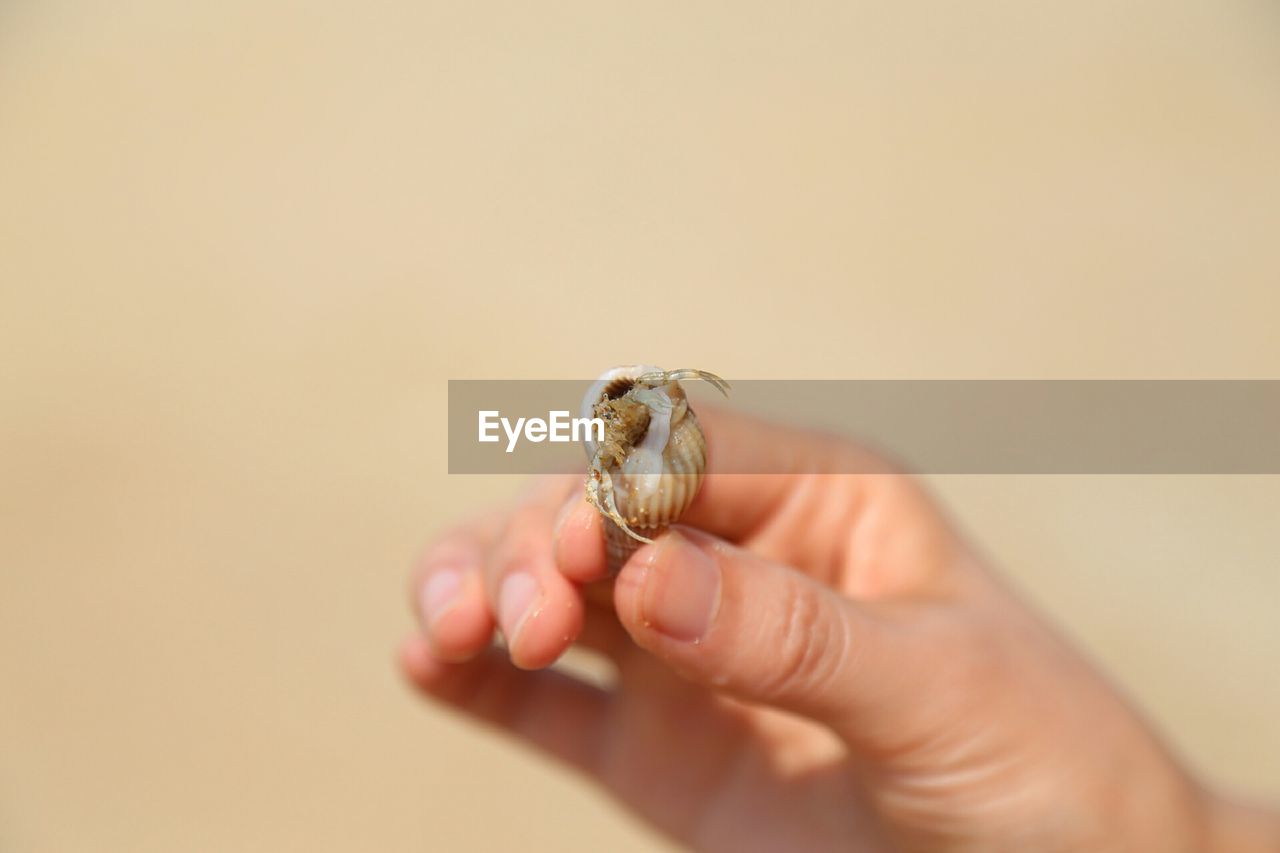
812, 661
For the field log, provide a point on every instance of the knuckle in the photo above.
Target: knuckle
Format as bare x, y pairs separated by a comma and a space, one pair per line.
438, 555
463, 545
810, 646
525, 537
429, 560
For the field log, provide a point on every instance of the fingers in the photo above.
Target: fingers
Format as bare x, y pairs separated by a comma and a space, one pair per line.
727, 619
823, 500
730, 503
579, 542
556, 713
498, 572
876, 534
447, 591
754, 464
538, 609
521, 574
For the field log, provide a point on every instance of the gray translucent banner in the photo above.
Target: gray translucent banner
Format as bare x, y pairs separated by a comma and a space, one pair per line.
928, 426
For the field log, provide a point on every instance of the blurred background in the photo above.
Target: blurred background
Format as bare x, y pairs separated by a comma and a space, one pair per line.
243, 245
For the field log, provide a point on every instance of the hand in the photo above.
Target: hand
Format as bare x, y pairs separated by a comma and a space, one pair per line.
815, 662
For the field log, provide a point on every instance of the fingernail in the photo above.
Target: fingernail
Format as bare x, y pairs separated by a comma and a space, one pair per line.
440, 594
682, 589
514, 603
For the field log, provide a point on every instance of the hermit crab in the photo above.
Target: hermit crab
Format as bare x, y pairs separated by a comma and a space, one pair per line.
649, 465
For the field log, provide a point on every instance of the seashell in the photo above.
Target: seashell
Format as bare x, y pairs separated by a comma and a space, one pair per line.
648, 468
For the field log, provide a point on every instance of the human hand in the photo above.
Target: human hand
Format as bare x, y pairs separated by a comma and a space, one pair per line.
815, 662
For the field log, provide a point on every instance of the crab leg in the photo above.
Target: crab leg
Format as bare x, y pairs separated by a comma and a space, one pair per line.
601, 482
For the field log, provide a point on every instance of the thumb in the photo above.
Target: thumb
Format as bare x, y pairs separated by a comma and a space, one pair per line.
728, 619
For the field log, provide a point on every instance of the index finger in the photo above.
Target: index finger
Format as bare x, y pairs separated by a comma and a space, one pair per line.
731, 504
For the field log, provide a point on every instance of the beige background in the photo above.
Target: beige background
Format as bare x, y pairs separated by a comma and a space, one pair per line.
244, 244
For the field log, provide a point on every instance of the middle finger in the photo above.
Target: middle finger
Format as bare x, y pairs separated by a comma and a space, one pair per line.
539, 611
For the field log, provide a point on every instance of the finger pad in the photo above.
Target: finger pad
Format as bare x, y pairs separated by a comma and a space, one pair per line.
550, 630
580, 549
463, 631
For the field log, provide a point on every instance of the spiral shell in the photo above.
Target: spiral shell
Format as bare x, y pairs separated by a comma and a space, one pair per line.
647, 470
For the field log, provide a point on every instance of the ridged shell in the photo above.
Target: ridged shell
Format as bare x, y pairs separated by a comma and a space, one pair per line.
652, 487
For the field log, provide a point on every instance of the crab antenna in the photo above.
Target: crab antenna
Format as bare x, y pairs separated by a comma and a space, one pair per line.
687, 373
